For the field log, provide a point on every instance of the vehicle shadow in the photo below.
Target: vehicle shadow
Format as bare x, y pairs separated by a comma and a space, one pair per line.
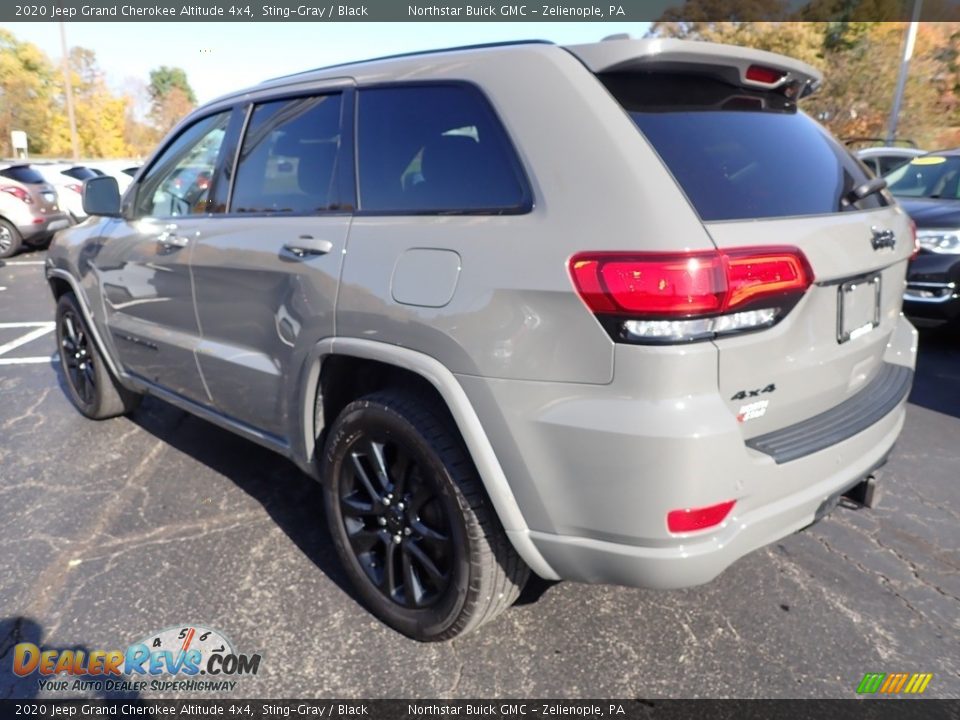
936, 384
293, 500
18, 629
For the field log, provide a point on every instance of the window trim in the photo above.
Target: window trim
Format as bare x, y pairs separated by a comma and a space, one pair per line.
345, 205
527, 202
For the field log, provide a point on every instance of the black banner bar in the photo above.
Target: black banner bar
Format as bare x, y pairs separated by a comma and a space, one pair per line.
470, 10
889, 709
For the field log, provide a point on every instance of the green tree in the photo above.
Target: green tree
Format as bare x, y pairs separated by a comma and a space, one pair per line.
27, 90
171, 96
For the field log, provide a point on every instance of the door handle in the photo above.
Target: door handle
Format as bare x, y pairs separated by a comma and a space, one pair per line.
170, 240
307, 245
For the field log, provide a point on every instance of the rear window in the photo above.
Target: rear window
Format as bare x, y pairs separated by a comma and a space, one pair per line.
23, 173
80, 173
739, 154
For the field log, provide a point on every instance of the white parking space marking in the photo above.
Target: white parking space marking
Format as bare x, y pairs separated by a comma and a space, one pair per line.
29, 360
39, 330
24, 262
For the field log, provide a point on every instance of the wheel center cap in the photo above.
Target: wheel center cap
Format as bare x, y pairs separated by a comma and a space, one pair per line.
395, 520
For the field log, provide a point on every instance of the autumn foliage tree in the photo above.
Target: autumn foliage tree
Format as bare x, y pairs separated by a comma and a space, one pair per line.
171, 97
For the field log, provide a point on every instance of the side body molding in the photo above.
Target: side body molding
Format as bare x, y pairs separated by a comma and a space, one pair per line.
474, 436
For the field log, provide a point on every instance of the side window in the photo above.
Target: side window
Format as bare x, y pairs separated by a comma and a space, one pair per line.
435, 148
178, 183
288, 159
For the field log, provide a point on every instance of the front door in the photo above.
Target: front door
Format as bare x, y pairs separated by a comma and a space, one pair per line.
144, 261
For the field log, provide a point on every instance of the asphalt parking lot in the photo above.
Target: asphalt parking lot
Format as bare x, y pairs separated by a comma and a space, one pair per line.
114, 530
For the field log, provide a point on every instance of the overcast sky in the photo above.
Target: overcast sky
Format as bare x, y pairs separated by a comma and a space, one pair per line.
221, 57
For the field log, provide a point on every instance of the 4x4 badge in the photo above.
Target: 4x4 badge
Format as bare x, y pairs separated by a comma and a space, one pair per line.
883, 238
744, 394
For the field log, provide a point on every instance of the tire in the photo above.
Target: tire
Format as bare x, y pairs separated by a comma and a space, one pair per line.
90, 386
10, 239
401, 493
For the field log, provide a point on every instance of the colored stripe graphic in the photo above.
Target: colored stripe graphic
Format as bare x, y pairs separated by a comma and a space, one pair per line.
894, 683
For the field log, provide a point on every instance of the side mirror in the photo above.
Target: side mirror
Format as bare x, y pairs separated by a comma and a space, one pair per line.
101, 196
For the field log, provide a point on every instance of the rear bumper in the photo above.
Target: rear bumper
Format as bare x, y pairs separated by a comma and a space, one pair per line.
933, 288
596, 470
39, 232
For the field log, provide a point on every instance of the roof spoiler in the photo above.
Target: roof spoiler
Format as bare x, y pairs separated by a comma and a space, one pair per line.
756, 69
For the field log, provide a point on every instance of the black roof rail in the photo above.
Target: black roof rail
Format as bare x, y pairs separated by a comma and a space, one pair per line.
479, 46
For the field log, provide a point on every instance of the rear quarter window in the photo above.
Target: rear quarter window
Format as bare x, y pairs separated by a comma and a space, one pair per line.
435, 149
739, 154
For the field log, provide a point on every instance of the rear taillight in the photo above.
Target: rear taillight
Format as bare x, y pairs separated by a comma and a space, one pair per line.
76, 188
693, 519
765, 75
18, 193
654, 297
916, 240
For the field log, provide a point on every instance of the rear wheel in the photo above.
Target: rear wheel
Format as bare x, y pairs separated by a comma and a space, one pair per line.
411, 522
10, 239
90, 386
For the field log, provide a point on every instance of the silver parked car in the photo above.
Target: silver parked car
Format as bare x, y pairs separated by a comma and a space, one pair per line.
568, 310
29, 208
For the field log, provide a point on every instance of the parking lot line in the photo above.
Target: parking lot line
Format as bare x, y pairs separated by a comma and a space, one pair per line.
24, 262
40, 329
29, 360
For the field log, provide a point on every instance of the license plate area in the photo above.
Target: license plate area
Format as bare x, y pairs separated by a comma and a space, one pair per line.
858, 307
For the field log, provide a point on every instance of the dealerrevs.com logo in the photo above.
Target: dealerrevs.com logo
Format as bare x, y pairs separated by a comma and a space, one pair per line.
189, 658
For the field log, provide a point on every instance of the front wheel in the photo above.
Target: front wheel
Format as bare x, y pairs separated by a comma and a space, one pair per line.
411, 522
90, 386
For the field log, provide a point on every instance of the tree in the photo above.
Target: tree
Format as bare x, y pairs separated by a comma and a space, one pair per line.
27, 91
171, 96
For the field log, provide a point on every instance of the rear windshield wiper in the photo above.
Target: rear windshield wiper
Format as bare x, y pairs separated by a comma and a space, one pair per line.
866, 189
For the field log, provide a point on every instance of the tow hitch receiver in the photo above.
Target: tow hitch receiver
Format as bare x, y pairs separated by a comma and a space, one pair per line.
865, 493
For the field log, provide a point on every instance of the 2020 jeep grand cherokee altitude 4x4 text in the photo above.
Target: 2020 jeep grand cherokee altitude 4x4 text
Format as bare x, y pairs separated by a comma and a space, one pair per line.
612, 313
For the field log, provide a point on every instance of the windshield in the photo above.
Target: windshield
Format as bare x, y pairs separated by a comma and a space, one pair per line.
929, 176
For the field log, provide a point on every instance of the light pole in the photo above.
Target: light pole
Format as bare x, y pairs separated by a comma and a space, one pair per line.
902, 75
68, 88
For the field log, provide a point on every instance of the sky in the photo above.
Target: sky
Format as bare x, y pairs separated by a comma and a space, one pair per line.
222, 57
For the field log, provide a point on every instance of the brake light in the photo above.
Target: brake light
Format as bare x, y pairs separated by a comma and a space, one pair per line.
765, 75
687, 296
76, 188
18, 193
916, 240
692, 519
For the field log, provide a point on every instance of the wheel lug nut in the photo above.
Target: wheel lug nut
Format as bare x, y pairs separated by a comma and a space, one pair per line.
407, 531
382, 520
400, 506
397, 538
386, 500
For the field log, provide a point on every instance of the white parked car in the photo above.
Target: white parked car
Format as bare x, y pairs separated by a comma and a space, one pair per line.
68, 179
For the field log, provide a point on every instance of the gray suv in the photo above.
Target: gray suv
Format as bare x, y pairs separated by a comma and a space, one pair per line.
614, 313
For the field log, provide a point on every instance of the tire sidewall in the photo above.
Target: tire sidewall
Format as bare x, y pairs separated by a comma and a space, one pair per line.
92, 409
370, 418
15, 237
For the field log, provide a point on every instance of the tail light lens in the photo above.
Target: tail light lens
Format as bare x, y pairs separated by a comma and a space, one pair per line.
653, 297
18, 193
916, 240
765, 75
693, 519
76, 188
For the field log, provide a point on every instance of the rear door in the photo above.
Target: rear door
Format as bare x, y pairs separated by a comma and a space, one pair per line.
266, 273
760, 173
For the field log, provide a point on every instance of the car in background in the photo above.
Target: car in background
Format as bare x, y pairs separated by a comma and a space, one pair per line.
928, 188
68, 179
121, 170
29, 208
885, 159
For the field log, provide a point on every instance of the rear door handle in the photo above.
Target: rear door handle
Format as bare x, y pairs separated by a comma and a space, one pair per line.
306, 246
